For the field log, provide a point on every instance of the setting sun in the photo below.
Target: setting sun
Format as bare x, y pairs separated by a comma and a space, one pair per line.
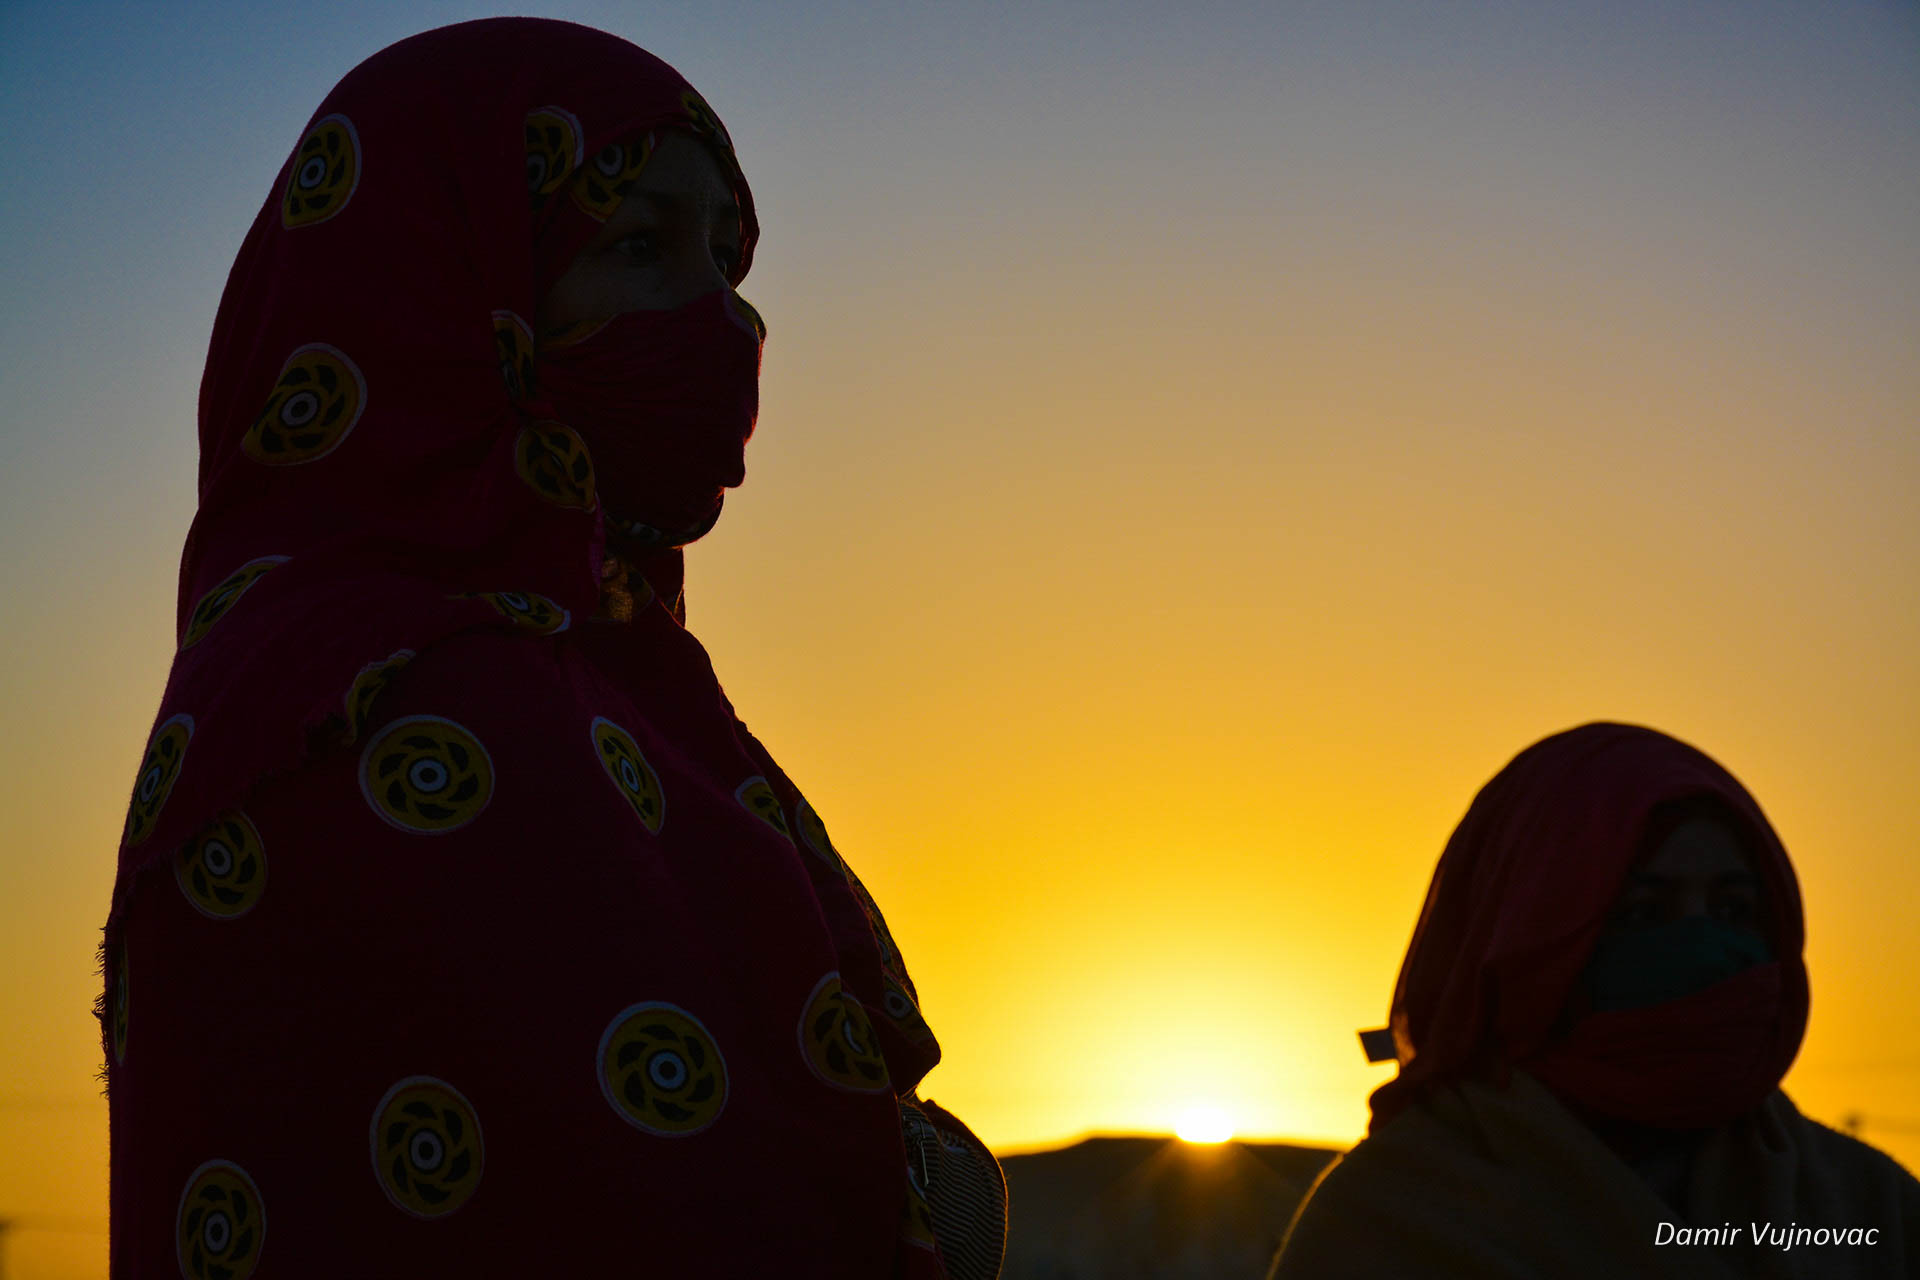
1204, 1125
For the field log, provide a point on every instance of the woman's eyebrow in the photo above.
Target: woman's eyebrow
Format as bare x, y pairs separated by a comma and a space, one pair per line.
1654, 880
679, 204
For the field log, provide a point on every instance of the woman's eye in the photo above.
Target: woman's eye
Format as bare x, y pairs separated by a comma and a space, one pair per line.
641, 242
1734, 910
1638, 913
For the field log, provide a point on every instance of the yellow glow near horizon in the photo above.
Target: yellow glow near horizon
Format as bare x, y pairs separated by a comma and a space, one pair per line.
1204, 1126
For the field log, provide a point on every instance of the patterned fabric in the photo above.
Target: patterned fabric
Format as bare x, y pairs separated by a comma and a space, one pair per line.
964, 1187
461, 928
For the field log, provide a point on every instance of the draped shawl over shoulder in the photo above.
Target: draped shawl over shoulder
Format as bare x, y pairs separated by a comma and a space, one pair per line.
1477, 1182
415, 804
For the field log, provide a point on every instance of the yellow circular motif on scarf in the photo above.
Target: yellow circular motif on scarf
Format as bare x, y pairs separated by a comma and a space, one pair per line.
604, 179
813, 833
158, 769
222, 596
836, 1039
660, 1069
554, 142
703, 120
513, 342
638, 532
326, 171
620, 757
117, 1003
221, 1224
427, 774
223, 869
889, 952
757, 794
578, 331
553, 459
427, 1151
902, 1010
536, 613
318, 398
368, 686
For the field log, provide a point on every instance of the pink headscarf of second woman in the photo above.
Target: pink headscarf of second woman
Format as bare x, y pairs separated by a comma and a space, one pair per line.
1515, 907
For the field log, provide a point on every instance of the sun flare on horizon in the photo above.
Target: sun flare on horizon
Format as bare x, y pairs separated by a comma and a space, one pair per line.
1204, 1126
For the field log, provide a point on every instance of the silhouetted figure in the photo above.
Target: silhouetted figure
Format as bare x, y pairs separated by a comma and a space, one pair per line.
1602, 994
461, 929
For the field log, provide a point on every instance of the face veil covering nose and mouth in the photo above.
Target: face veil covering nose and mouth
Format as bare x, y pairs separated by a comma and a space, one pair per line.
666, 402
1668, 962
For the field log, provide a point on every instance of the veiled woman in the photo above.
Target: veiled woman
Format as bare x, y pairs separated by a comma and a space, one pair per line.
1602, 994
461, 928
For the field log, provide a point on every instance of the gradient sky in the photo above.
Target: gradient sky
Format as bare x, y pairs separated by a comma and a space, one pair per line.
1197, 451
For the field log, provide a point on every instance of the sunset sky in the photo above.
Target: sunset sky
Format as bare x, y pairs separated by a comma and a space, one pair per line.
1200, 445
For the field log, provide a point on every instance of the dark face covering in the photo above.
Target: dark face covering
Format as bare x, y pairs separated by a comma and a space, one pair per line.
665, 401
1668, 961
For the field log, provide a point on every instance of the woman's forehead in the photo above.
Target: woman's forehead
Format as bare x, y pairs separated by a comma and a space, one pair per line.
1700, 847
683, 177
684, 163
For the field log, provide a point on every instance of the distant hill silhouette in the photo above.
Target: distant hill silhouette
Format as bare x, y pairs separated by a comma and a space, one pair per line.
1149, 1208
